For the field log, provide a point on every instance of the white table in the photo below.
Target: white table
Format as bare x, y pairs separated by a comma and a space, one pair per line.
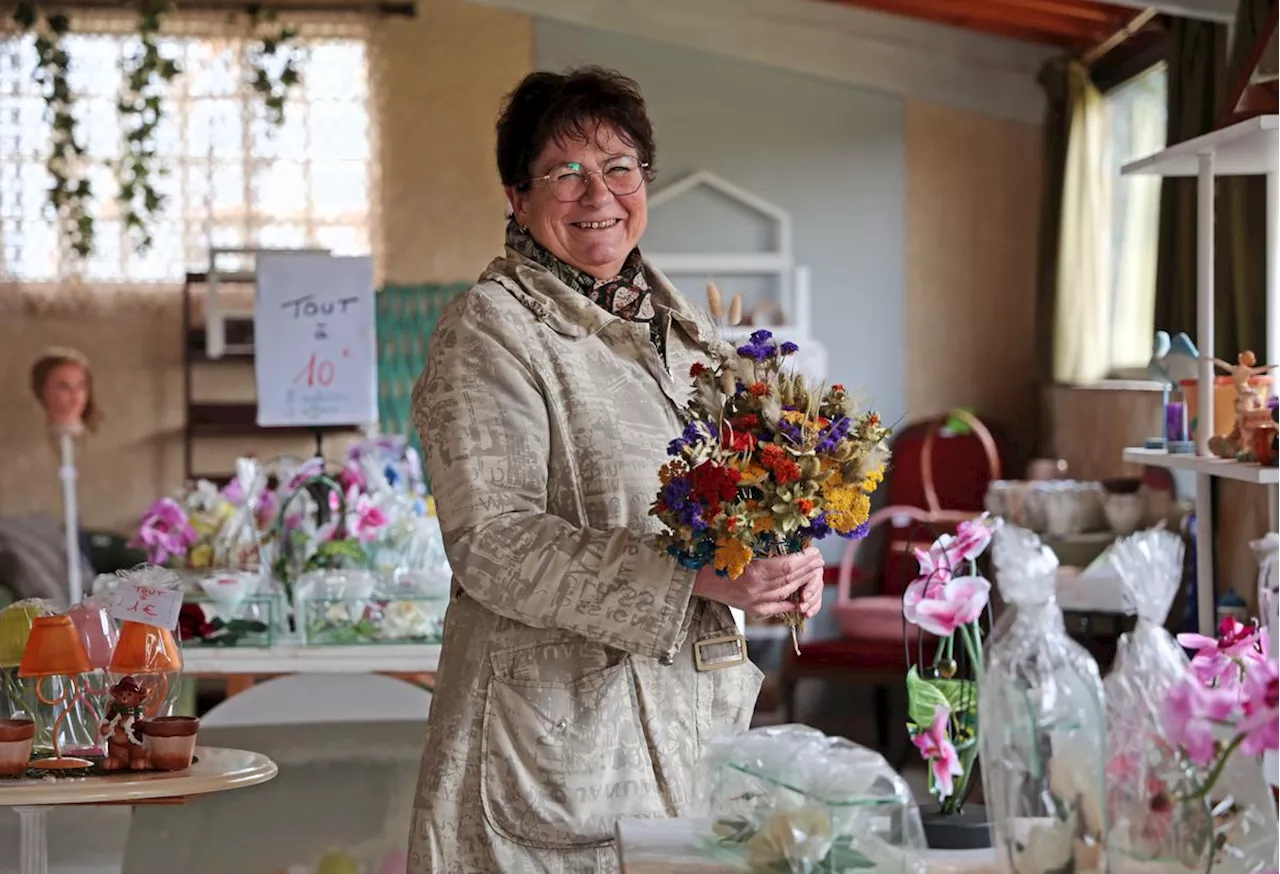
241, 666
670, 846
216, 770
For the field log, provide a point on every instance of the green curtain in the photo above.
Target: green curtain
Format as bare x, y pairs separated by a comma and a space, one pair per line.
1241, 233
1056, 134
1196, 72
406, 318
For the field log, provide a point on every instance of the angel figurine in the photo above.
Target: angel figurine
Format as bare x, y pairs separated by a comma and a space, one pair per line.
1250, 406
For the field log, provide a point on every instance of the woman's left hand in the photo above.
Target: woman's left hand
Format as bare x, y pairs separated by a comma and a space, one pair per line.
809, 597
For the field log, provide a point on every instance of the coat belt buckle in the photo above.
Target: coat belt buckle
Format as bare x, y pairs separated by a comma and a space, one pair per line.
719, 652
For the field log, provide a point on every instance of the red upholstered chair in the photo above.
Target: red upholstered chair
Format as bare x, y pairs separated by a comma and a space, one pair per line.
937, 479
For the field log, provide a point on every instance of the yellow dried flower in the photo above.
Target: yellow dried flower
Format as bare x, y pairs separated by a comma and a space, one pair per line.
873, 479
732, 557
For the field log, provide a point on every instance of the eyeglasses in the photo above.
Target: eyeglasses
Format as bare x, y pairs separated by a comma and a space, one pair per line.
569, 182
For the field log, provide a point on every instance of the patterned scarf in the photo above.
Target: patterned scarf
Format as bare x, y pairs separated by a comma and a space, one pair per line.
626, 295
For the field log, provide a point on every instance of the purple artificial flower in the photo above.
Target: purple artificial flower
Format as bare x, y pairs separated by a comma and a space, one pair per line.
676, 492
165, 531
829, 438
234, 492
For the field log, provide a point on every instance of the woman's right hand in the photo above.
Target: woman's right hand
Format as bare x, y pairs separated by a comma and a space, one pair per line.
768, 586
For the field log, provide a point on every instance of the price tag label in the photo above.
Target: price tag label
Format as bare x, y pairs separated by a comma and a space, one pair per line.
148, 605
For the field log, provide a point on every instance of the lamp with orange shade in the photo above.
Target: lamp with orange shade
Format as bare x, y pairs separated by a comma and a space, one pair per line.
150, 655
55, 660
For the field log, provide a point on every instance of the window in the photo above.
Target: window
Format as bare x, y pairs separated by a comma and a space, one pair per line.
231, 180
1135, 128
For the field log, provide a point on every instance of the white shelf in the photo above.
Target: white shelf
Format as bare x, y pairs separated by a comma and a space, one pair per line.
292, 658
1246, 148
1220, 467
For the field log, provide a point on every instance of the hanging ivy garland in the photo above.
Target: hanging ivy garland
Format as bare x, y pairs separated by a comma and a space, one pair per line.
147, 75
70, 192
274, 62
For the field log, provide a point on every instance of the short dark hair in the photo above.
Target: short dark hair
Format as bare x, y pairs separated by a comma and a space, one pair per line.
546, 106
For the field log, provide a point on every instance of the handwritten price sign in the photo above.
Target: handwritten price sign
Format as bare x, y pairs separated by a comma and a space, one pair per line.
315, 340
148, 605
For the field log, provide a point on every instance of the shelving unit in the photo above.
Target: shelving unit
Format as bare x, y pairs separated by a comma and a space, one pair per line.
1247, 148
223, 337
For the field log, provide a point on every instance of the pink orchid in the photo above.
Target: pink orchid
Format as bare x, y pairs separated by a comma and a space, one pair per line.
164, 531
1261, 724
1190, 712
234, 492
353, 477
1222, 661
365, 519
941, 605
935, 746
948, 552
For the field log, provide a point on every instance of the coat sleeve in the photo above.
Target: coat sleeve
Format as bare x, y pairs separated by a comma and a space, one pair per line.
483, 419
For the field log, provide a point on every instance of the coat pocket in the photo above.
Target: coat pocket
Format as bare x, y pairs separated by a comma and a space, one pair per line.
563, 761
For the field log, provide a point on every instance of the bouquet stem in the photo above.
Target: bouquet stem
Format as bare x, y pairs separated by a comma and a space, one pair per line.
795, 621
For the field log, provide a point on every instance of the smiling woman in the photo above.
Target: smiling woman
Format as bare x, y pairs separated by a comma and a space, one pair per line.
582, 667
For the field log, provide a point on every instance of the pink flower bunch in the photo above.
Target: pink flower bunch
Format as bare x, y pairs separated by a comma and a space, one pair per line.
1231, 684
1223, 662
937, 749
939, 601
164, 532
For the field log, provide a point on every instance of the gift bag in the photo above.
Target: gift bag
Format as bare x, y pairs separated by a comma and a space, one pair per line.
1043, 735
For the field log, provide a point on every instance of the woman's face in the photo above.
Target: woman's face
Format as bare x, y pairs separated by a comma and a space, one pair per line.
65, 394
572, 231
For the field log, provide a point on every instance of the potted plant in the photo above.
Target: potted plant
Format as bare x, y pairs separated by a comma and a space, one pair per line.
949, 599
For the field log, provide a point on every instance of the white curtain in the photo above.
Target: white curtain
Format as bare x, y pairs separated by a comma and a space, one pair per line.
1082, 318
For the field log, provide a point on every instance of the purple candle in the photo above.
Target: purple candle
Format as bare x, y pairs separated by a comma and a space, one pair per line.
1175, 421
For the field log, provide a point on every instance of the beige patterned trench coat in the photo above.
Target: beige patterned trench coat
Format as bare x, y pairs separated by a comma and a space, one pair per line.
568, 695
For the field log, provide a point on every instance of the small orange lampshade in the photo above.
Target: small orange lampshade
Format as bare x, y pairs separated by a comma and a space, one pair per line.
145, 649
54, 648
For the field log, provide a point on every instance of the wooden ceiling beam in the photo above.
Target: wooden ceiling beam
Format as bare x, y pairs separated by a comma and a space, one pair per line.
1023, 24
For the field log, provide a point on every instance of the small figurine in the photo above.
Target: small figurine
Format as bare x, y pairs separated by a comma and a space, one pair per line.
1172, 361
125, 748
1250, 408
63, 384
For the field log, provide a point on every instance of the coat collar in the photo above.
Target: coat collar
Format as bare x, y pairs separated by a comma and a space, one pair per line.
571, 313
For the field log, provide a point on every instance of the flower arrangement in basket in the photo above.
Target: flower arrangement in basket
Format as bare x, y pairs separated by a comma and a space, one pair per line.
949, 599
767, 463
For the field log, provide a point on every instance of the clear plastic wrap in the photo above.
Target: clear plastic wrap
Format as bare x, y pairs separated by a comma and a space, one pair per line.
148, 653
1267, 551
237, 545
791, 800
1043, 735
339, 607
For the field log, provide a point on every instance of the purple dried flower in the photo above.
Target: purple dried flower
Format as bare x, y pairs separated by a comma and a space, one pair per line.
789, 348
761, 337
757, 352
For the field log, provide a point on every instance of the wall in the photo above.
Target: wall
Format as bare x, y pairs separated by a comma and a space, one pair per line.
972, 206
830, 154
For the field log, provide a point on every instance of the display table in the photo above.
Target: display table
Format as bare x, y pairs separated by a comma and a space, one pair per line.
670, 846
216, 770
241, 667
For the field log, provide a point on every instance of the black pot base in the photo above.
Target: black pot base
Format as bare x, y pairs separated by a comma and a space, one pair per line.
966, 830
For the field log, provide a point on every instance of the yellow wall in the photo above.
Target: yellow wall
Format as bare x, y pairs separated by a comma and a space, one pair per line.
973, 195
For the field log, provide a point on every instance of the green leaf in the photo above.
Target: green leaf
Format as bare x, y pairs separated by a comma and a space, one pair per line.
923, 699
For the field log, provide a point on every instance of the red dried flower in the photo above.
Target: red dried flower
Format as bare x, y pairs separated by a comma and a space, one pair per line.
759, 389
713, 484
698, 369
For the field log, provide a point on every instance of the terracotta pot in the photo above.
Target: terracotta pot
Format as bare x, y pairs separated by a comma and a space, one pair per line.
16, 738
171, 741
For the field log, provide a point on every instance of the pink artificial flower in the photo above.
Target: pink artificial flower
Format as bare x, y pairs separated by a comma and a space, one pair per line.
935, 746
941, 605
948, 552
1222, 661
268, 506
1261, 724
309, 468
164, 531
352, 477
1190, 711
234, 492
365, 520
